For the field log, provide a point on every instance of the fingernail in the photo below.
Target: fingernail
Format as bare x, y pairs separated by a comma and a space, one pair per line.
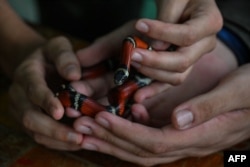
70, 69
103, 122
136, 57
141, 26
184, 118
89, 146
159, 45
73, 137
84, 129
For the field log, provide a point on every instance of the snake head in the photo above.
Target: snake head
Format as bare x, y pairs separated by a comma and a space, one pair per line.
121, 75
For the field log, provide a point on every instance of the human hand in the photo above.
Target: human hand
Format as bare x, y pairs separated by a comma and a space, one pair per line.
34, 104
150, 146
191, 25
223, 98
117, 137
134, 142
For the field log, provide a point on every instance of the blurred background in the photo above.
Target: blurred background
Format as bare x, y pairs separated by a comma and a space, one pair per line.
83, 18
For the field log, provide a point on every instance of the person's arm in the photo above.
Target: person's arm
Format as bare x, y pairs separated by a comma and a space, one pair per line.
16, 37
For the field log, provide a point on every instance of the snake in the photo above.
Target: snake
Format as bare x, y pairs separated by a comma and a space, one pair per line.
126, 80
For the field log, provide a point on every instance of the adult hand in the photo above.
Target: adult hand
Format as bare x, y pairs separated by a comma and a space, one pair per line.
134, 142
150, 146
227, 96
191, 25
33, 102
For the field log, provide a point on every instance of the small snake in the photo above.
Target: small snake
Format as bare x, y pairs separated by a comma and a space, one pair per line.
120, 97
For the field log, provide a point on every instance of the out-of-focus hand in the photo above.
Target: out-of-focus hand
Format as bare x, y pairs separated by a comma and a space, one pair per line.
33, 102
191, 25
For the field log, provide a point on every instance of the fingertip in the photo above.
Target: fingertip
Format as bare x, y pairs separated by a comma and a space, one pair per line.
103, 119
142, 26
75, 137
72, 113
139, 113
57, 114
143, 94
72, 71
159, 45
56, 111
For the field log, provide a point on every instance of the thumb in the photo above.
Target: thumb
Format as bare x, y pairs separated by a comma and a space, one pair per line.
227, 96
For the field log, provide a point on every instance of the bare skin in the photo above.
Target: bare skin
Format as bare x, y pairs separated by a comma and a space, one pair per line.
212, 102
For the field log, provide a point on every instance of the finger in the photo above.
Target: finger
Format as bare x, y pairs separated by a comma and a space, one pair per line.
103, 141
94, 87
225, 97
151, 90
203, 14
87, 126
173, 78
37, 121
177, 61
72, 113
126, 130
153, 139
59, 51
39, 93
34, 120
95, 144
179, 34
55, 144
168, 11
140, 114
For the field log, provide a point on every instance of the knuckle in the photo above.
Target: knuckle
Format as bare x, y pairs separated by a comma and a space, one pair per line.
216, 19
38, 139
184, 64
60, 135
158, 148
189, 37
206, 111
142, 153
178, 79
107, 137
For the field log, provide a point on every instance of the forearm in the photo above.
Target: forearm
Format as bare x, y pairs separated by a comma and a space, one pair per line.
17, 39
